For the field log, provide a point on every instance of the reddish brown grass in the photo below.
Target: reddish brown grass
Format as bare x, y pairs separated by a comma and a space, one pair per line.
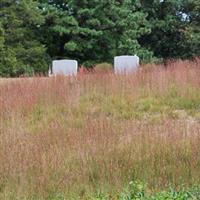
76, 135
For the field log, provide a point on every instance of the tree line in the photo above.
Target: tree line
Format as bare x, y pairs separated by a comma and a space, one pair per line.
33, 32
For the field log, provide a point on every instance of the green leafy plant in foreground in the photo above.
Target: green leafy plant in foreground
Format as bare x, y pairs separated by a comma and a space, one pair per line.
138, 191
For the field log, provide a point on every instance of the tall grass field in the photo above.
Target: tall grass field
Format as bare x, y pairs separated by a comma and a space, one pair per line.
102, 136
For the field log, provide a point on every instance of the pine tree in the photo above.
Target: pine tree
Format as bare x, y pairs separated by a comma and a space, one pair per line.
94, 31
175, 31
22, 52
191, 12
7, 57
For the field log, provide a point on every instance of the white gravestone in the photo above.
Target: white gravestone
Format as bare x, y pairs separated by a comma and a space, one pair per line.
65, 67
126, 64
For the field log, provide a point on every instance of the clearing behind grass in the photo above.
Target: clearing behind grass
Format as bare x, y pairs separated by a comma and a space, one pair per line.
93, 136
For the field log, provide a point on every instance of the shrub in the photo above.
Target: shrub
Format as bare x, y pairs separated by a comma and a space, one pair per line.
104, 67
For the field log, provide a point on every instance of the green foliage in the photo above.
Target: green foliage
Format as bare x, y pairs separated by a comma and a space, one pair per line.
95, 31
92, 31
135, 190
174, 28
138, 191
21, 52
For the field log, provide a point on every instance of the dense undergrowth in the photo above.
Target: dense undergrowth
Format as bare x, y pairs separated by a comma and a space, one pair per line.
97, 132
138, 191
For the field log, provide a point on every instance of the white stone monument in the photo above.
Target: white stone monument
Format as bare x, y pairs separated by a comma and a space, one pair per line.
126, 64
64, 67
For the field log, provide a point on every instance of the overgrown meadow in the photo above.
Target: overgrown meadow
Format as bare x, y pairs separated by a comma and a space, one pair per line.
102, 136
